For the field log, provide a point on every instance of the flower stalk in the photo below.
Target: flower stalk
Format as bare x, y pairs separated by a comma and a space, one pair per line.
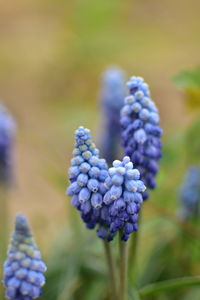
3, 227
132, 258
3, 221
111, 269
123, 251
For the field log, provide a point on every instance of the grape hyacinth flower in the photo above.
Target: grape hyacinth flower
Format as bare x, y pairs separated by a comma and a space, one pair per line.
141, 134
87, 175
190, 194
123, 198
7, 130
23, 269
111, 100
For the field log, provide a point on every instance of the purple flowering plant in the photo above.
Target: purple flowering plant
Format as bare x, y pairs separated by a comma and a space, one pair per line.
109, 199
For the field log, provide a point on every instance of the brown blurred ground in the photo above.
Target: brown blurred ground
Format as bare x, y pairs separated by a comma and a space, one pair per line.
51, 55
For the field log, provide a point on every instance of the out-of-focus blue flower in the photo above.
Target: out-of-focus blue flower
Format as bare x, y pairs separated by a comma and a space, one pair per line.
122, 201
7, 130
190, 194
111, 99
141, 133
87, 175
23, 269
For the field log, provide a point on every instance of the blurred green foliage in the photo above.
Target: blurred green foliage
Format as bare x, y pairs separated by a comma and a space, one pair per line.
188, 79
192, 142
189, 82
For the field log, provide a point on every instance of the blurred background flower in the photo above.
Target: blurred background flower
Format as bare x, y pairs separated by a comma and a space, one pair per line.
24, 268
190, 194
7, 132
112, 96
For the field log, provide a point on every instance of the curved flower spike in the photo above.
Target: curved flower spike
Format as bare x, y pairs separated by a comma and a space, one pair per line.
87, 175
141, 132
23, 270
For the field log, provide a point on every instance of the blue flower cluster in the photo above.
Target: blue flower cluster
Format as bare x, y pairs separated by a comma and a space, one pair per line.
141, 133
7, 130
190, 194
23, 269
111, 100
87, 176
122, 200
111, 198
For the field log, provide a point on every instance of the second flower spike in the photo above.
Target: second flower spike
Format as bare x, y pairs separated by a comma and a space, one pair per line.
141, 136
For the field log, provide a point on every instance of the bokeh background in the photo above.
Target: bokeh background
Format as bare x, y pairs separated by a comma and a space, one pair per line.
51, 56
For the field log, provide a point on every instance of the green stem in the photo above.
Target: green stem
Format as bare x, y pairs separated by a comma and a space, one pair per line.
3, 227
111, 269
169, 285
3, 222
133, 250
123, 268
132, 261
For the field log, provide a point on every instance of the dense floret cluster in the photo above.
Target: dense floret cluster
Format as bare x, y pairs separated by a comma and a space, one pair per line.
190, 194
7, 130
111, 100
141, 132
123, 199
87, 176
111, 198
23, 269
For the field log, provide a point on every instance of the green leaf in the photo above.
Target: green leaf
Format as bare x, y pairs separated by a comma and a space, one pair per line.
134, 295
167, 285
192, 142
188, 79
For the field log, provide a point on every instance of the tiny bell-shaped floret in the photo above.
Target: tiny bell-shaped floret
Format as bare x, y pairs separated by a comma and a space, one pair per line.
141, 134
23, 270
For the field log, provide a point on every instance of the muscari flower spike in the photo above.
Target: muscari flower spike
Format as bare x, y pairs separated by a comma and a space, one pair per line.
7, 131
111, 100
23, 270
87, 175
190, 194
122, 201
141, 134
